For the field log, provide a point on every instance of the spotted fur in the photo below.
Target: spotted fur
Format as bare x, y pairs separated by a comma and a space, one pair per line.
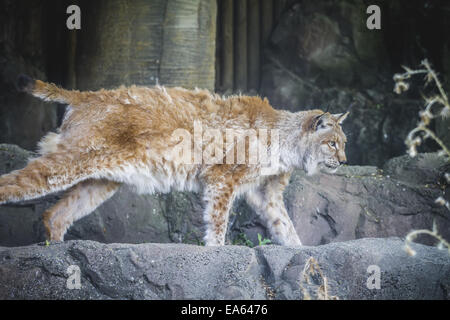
125, 136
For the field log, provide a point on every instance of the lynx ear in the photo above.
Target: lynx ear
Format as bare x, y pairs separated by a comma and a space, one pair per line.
340, 117
318, 122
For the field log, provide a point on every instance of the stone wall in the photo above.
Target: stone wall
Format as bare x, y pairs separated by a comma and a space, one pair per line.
168, 271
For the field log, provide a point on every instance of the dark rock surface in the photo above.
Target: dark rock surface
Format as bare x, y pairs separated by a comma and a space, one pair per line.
355, 202
322, 55
358, 202
25, 26
180, 271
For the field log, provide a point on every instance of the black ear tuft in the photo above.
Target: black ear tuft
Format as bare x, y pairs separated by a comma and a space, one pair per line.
24, 83
317, 122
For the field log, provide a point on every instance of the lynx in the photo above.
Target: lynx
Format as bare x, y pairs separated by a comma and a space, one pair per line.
126, 136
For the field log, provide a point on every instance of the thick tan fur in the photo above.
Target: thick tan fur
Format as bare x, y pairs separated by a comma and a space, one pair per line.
126, 135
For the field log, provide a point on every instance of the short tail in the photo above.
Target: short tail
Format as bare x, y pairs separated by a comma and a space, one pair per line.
44, 91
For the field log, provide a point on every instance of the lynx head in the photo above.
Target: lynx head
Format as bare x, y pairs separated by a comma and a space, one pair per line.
325, 142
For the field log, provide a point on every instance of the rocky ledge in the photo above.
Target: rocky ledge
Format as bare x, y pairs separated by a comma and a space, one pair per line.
359, 269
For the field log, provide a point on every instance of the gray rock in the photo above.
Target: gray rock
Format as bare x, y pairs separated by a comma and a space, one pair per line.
345, 265
180, 271
358, 202
425, 168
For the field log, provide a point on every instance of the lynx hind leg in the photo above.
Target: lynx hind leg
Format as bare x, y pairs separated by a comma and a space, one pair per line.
267, 201
44, 175
79, 201
218, 201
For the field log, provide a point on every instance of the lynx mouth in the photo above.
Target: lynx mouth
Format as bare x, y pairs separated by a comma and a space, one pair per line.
332, 166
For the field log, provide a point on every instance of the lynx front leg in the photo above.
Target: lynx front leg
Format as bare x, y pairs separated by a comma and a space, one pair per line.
79, 201
268, 203
218, 201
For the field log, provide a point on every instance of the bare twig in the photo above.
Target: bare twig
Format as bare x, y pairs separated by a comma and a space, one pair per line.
310, 270
421, 132
442, 243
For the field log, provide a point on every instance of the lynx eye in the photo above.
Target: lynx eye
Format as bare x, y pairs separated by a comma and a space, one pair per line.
332, 144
